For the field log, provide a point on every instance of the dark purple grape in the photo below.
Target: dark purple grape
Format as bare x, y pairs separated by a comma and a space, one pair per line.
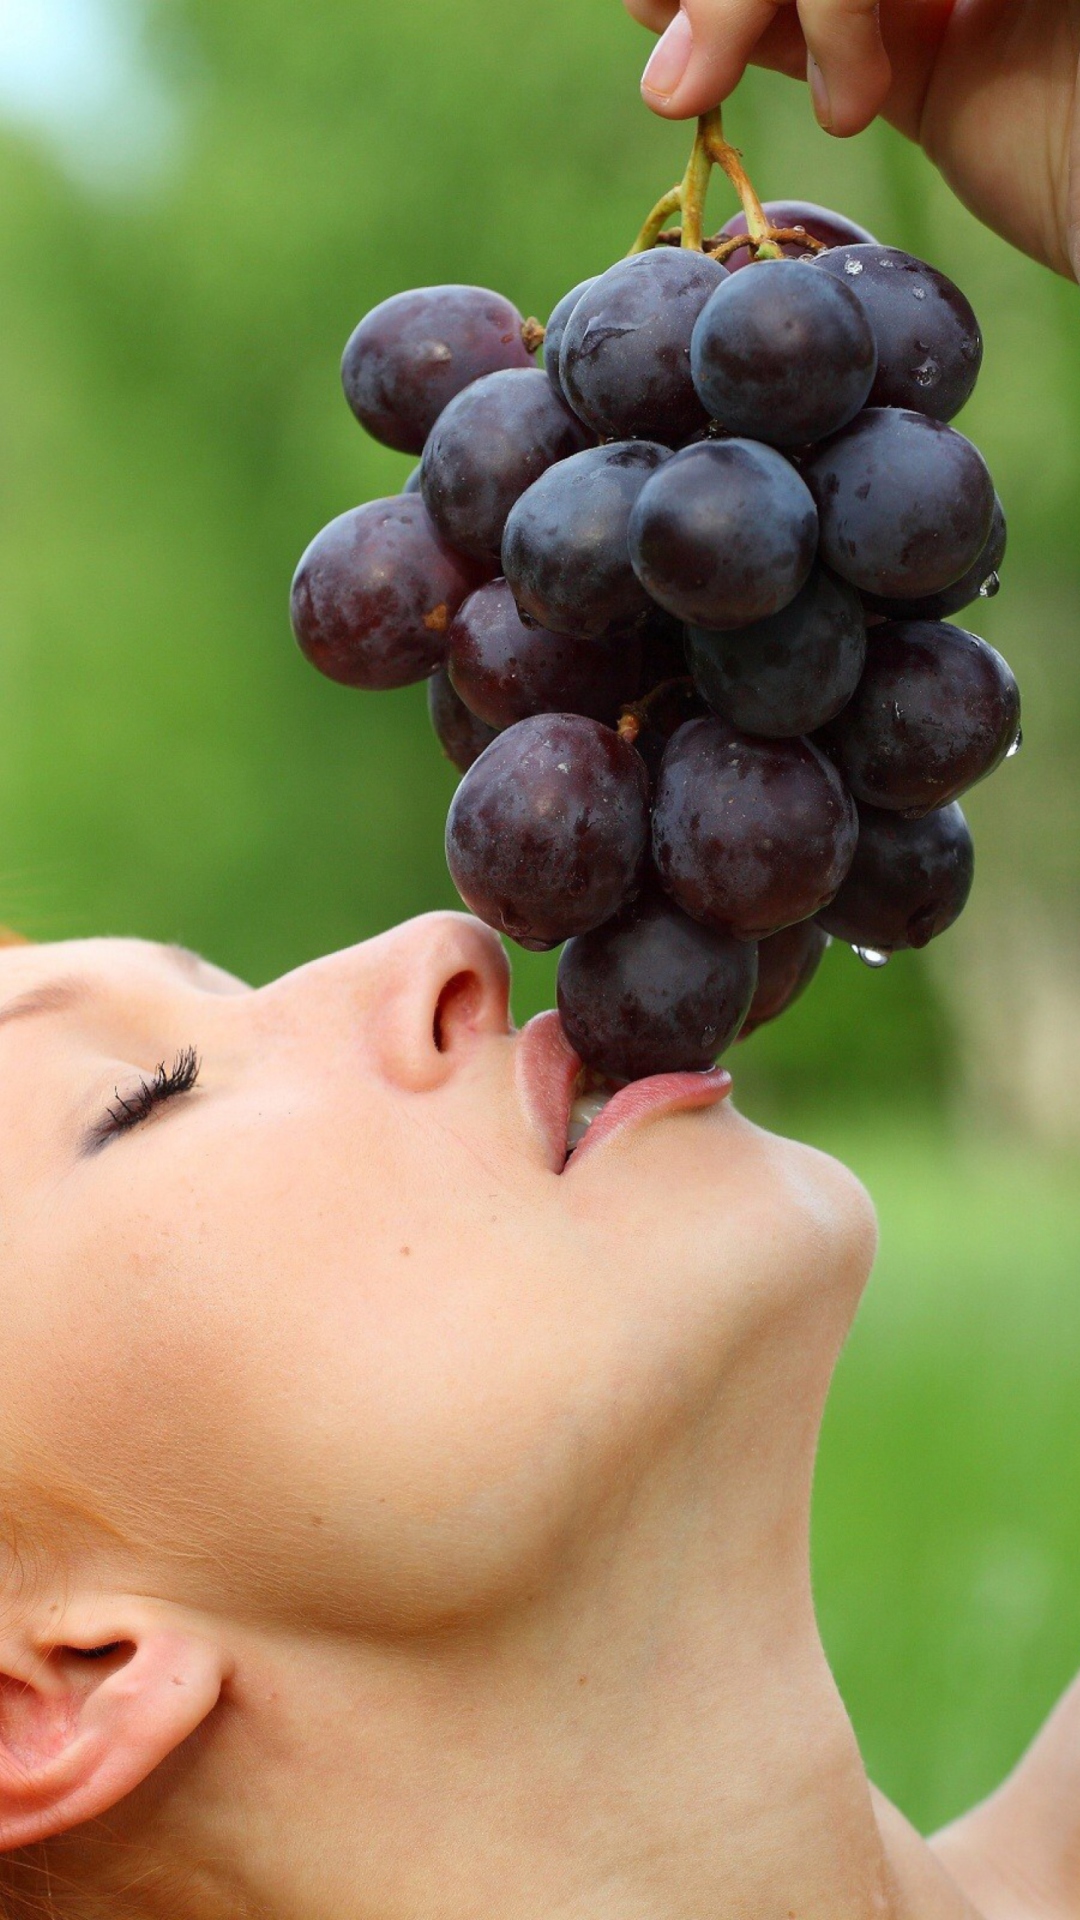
505, 671
460, 734
547, 833
929, 348
776, 359
624, 362
724, 533
486, 448
788, 674
787, 962
564, 551
555, 329
936, 710
906, 503
375, 592
908, 882
750, 835
835, 229
654, 992
412, 484
980, 582
411, 355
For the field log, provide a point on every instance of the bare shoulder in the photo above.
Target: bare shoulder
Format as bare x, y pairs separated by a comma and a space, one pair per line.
1016, 1856
1018, 1853
920, 1884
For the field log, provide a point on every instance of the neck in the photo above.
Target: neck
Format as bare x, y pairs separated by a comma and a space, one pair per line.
653, 1735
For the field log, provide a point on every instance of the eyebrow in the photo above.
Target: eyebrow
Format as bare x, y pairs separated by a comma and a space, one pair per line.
56, 997
59, 996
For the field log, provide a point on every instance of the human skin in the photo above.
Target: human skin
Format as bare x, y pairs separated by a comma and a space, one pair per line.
446, 1514
987, 87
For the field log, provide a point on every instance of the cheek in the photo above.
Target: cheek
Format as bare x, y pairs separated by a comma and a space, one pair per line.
323, 1370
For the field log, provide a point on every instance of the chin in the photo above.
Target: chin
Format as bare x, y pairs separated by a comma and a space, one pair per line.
713, 1195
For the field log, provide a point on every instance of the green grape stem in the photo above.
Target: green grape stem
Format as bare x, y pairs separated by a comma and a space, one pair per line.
711, 149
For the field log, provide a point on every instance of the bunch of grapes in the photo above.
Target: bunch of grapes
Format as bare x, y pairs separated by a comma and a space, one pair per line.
682, 598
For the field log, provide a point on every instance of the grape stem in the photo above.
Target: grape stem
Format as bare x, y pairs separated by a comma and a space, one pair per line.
633, 717
668, 204
720, 153
710, 149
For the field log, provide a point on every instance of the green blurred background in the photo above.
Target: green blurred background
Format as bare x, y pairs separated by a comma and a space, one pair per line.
198, 200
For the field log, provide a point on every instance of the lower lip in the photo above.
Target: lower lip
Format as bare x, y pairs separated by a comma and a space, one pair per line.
645, 1099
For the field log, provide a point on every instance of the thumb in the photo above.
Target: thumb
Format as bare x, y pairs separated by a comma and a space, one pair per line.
702, 55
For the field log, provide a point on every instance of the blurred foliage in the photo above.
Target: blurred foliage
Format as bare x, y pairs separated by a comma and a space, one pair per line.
173, 435
947, 1510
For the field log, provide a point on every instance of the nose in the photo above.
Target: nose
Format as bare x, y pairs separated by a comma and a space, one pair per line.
421, 995
431, 989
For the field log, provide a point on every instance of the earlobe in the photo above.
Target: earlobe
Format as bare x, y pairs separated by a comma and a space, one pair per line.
86, 1719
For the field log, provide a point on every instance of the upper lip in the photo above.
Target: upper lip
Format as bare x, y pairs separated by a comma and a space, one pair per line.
548, 1071
549, 1075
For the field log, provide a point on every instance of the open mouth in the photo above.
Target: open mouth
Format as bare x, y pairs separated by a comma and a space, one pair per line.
585, 1107
574, 1110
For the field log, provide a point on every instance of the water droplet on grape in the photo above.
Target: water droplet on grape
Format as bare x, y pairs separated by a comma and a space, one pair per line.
990, 586
853, 267
926, 374
1016, 745
871, 956
919, 292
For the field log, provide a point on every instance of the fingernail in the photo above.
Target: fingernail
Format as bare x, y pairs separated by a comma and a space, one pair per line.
670, 59
819, 93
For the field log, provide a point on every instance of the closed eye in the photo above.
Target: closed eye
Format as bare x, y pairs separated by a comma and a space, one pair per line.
131, 1109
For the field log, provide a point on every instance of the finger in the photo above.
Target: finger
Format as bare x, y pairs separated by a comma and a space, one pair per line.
654, 14
847, 66
782, 47
703, 54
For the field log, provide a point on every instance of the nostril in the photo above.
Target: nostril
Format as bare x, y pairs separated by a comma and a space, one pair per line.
458, 1005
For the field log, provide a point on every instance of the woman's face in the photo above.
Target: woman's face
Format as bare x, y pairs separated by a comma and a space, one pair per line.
331, 1334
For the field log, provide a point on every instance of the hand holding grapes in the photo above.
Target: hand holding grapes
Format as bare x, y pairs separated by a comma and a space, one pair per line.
990, 90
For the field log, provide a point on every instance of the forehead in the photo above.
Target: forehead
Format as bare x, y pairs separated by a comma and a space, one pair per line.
25, 967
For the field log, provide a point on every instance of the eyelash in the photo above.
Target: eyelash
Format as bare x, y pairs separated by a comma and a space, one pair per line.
164, 1084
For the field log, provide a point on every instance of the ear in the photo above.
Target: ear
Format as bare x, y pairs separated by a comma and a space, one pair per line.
90, 1705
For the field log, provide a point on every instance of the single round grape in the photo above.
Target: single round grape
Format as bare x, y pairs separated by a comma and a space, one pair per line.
906, 503
787, 962
460, 734
486, 448
936, 710
624, 361
724, 533
980, 582
565, 551
788, 674
776, 358
374, 595
410, 355
908, 882
929, 347
548, 831
556, 327
654, 992
505, 671
750, 835
835, 229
